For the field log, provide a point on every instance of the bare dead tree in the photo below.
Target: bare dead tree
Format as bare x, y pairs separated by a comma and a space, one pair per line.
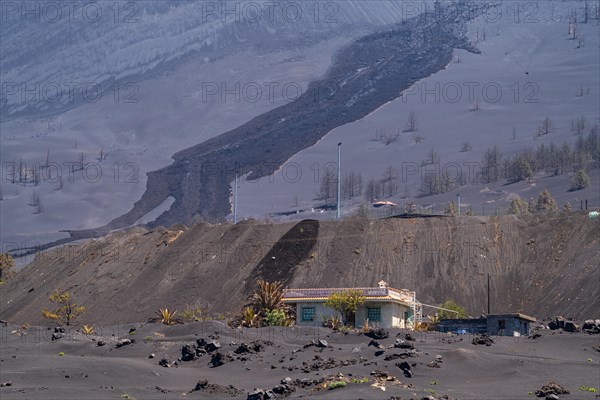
389, 181
386, 137
411, 124
546, 127
431, 158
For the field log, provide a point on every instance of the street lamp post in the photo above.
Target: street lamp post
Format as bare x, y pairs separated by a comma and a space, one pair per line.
235, 188
339, 181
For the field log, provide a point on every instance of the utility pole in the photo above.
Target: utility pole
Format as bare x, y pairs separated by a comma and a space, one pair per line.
235, 188
339, 181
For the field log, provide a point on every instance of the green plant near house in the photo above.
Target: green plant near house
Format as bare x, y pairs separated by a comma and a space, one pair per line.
196, 312
346, 303
268, 296
451, 305
61, 354
277, 318
336, 385
430, 391
588, 389
331, 321
363, 380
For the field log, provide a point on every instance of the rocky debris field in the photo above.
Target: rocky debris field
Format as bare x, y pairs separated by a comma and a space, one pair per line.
209, 360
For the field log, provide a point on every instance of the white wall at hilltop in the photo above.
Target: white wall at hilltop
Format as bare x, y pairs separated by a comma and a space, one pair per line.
537, 57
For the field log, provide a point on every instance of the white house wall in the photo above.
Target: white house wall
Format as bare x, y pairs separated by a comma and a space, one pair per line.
392, 314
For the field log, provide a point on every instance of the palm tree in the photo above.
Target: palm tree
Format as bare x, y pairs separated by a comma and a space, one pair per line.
267, 296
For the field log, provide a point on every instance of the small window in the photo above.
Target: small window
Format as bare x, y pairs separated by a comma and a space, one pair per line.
501, 324
374, 314
308, 313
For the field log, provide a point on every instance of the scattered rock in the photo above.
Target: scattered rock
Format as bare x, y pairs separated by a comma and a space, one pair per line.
379, 374
409, 337
188, 353
283, 390
59, 329
57, 336
218, 359
124, 342
212, 346
322, 343
375, 343
257, 394
405, 367
482, 339
101, 343
151, 355
535, 336
201, 384
591, 326
164, 363
242, 348
551, 388
162, 390
571, 326
5, 384
401, 344
377, 333
286, 381
557, 323
379, 352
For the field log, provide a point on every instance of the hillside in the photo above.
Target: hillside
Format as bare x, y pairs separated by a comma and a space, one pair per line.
541, 265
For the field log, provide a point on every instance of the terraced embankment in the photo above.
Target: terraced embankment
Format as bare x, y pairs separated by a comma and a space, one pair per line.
540, 265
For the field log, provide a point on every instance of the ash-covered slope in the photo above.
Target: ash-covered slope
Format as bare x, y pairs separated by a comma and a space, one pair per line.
540, 265
64, 52
365, 75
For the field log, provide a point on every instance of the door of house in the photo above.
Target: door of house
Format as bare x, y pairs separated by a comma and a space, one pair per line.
352, 320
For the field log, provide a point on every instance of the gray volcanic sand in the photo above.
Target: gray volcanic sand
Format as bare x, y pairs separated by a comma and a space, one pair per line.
508, 369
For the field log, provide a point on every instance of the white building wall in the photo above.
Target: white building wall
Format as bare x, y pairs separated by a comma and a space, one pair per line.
321, 313
392, 314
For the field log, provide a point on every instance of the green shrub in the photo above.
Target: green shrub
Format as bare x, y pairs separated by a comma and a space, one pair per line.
588, 389
336, 385
451, 305
276, 318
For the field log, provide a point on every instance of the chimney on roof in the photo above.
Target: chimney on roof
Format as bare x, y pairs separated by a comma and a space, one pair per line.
382, 284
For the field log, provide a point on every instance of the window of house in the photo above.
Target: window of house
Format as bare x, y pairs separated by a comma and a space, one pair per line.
374, 314
501, 324
308, 313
